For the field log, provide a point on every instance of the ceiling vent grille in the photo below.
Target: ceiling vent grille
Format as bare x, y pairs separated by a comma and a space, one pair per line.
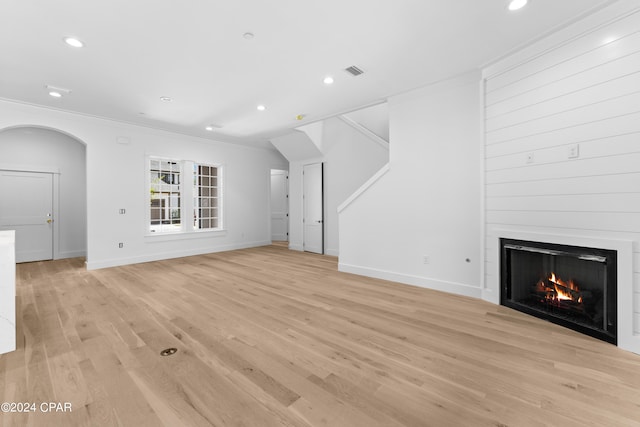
354, 71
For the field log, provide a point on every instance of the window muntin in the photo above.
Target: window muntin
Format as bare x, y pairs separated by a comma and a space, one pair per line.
206, 200
165, 195
170, 200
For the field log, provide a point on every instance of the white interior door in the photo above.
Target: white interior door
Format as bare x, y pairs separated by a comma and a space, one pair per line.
313, 209
26, 206
279, 206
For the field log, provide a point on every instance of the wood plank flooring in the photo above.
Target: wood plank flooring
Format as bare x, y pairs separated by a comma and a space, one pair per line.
271, 337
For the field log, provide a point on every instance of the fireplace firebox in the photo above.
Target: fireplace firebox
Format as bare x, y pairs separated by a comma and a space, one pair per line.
568, 285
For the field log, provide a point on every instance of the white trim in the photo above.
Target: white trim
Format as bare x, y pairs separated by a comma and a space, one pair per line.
29, 168
186, 197
115, 262
182, 196
581, 25
183, 235
238, 142
364, 187
332, 252
366, 132
71, 254
219, 191
468, 77
627, 339
269, 203
483, 188
422, 282
55, 179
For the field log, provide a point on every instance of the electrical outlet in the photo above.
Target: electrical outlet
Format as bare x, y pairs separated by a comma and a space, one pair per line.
121, 245
574, 151
122, 211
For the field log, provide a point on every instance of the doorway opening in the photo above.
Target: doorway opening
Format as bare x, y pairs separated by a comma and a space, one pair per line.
313, 208
43, 192
279, 206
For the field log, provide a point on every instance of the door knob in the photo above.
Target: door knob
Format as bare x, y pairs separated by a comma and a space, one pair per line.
49, 221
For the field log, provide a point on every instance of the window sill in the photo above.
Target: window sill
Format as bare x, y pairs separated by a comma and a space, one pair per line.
183, 235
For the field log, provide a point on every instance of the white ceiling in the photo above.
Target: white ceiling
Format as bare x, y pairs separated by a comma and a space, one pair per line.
194, 52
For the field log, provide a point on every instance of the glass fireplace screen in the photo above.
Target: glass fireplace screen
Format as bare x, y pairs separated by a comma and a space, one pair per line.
568, 285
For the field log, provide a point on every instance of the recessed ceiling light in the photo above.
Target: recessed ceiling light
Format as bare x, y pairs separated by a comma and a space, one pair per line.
248, 36
72, 41
328, 80
57, 92
165, 99
517, 4
261, 107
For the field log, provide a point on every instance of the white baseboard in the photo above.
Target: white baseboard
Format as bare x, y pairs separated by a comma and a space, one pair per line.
332, 252
115, 262
490, 296
422, 282
71, 254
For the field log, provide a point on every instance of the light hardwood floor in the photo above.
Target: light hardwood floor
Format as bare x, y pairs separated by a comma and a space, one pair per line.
272, 337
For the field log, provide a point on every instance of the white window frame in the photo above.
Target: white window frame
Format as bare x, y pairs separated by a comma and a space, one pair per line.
157, 185
218, 196
187, 198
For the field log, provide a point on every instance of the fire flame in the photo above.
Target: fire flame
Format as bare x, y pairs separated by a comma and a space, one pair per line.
564, 294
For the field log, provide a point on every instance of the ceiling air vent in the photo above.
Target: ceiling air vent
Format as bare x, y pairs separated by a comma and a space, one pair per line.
354, 71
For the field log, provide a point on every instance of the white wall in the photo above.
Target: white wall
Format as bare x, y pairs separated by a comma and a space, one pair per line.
350, 159
428, 203
577, 88
296, 146
375, 119
116, 179
38, 148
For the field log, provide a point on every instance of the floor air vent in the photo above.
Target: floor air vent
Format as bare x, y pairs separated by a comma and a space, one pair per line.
169, 351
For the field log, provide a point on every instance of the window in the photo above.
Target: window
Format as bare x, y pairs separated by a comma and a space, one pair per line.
170, 200
206, 213
165, 196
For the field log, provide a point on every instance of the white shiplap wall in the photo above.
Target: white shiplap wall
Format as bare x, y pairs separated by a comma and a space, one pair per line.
579, 87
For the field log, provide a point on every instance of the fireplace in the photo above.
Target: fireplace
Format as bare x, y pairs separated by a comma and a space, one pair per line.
571, 286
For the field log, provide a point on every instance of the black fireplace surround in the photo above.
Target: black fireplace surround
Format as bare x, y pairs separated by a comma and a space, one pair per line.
571, 286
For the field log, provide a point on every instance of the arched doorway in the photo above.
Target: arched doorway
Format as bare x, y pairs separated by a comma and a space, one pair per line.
43, 192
